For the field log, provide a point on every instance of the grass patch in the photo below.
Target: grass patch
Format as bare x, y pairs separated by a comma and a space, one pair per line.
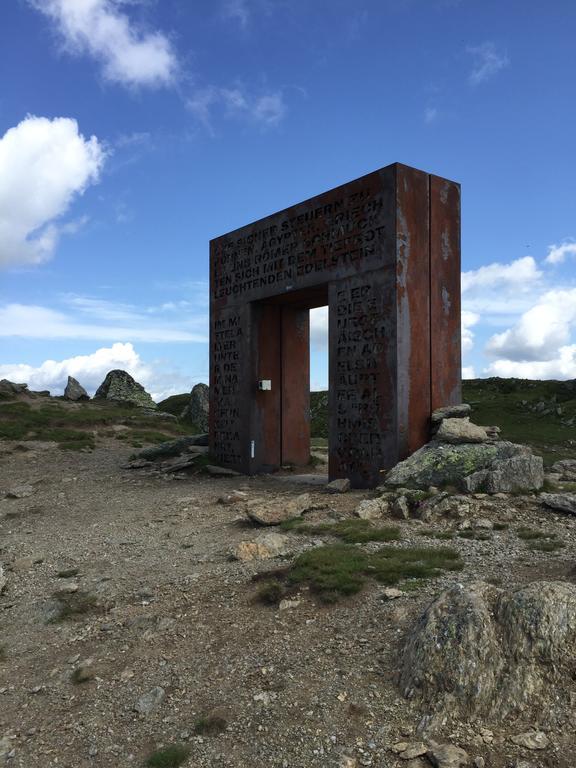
539, 541
470, 533
351, 531
169, 757
546, 545
2, 652
341, 569
72, 428
270, 593
432, 534
500, 526
210, 725
529, 534
75, 604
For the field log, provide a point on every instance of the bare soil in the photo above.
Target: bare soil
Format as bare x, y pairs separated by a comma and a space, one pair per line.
308, 686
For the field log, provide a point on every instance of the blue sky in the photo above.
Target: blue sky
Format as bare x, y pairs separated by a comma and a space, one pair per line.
133, 131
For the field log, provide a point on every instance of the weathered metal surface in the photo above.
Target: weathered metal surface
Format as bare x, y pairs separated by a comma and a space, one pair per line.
446, 385
369, 249
295, 384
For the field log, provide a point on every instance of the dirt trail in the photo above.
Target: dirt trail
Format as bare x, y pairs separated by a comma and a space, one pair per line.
308, 686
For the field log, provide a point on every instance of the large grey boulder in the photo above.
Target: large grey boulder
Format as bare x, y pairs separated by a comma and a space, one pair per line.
120, 387
472, 467
196, 412
11, 388
460, 430
75, 391
173, 447
562, 502
477, 649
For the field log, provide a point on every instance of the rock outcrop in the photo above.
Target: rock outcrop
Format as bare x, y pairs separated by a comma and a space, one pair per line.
196, 412
75, 391
477, 649
500, 467
9, 388
561, 502
120, 387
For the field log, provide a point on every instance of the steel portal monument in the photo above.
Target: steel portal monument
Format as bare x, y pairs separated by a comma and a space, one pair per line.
383, 252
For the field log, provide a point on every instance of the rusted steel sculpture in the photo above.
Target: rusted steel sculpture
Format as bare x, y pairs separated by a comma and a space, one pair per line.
383, 252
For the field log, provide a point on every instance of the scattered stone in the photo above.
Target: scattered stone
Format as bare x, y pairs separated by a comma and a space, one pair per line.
401, 508
75, 391
391, 593
564, 502
233, 498
120, 387
456, 431
410, 751
172, 447
265, 697
372, 509
275, 511
137, 464
472, 467
3, 580
483, 524
150, 701
481, 649
565, 469
447, 756
67, 573
451, 412
21, 492
531, 740
197, 410
263, 547
83, 672
69, 588
217, 471
341, 485
286, 605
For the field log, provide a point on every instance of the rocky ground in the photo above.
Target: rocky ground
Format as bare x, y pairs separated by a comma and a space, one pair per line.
127, 627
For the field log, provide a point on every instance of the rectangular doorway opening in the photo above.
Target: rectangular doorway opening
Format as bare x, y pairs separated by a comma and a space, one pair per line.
319, 383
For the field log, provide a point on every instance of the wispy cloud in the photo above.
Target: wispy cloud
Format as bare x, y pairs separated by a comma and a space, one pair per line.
237, 11
430, 115
265, 109
128, 55
488, 61
102, 320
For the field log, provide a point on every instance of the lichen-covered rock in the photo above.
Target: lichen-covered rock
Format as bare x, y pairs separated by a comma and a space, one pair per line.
564, 502
75, 391
197, 410
172, 447
460, 430
263, 547
276, 511
478, 649
440, 464
518, 473
120, 387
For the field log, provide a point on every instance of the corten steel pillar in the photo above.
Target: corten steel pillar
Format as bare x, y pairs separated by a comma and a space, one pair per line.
384, 253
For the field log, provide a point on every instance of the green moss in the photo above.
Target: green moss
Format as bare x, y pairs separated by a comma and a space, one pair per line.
169, 757
546, 545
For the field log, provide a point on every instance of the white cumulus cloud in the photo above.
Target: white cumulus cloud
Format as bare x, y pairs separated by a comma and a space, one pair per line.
557, 253
44, 165
563, 366
540, 332
469, 319
519, 274
128, 55
91, 369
